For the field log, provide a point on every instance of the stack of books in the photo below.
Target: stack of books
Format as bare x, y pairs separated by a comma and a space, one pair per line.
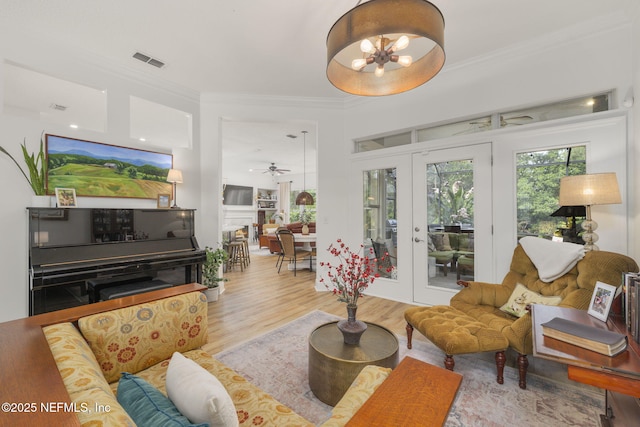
600, 340
631, 304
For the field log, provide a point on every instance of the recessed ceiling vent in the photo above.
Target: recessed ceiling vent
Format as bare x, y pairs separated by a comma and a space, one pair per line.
58, 107
149, 60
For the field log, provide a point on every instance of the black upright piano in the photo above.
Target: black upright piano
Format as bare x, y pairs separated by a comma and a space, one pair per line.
71, 247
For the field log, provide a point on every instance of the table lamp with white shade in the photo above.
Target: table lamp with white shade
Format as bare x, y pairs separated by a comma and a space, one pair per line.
174, 177
588, 190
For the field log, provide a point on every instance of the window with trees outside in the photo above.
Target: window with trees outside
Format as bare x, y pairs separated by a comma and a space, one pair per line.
295, 210
538, 188
380, 218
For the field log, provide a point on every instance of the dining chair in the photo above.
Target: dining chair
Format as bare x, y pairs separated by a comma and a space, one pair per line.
385, 260
280, 251
289, 250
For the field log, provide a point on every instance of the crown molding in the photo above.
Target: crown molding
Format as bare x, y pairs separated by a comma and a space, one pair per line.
271, 101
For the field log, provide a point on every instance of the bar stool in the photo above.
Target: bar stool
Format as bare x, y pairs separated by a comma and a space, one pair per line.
240, 237
236, 255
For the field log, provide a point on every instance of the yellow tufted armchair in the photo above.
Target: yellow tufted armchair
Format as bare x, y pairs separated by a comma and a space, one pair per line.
482, 301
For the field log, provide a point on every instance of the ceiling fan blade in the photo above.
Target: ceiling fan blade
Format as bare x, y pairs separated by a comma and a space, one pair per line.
483, 122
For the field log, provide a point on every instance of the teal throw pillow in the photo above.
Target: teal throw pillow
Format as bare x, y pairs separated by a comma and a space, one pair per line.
147, 406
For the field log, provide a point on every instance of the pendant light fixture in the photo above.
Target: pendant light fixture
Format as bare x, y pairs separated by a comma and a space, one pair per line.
362, 47
304, 198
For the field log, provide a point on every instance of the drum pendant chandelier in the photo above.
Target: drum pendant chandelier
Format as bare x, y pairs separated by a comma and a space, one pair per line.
364, 46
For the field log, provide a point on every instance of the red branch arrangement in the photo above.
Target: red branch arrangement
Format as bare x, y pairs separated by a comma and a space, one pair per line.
352, 274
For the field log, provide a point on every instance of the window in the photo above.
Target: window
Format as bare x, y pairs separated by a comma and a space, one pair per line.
450, 194
538, 187
504, 119
295, 210
464, 127
403, 138
380, 218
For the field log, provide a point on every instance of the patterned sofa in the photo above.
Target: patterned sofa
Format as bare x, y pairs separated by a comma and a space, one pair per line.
92, 355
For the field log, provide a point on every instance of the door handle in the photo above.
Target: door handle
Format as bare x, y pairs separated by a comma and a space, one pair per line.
417, 239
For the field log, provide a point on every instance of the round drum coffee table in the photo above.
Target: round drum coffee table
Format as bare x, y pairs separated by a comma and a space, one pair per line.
333, 365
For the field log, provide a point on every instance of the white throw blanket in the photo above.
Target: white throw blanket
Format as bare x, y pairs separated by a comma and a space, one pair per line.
552, 259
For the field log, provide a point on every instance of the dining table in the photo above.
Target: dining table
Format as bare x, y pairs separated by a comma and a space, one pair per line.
306, 240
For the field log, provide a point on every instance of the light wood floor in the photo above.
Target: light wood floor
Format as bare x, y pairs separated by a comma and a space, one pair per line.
259, 299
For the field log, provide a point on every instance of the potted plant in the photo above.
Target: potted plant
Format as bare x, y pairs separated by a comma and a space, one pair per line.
37, 166
212, 272
277, 218
349, 276
305, 219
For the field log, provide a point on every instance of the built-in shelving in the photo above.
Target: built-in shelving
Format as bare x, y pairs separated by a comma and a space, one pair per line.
266, 199
266, 204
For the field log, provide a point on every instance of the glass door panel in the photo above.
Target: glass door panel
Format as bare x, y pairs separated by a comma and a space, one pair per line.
452, 215
380, 218
450, 238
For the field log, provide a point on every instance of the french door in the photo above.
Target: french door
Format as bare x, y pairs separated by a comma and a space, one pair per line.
452, 225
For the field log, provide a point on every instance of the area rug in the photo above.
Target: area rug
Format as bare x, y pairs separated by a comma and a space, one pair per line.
256, 250
277, 362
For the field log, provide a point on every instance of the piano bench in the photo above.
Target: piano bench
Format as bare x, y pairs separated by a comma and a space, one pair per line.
129, 282
134, 288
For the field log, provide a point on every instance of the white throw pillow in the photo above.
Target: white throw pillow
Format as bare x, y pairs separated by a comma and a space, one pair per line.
199, 395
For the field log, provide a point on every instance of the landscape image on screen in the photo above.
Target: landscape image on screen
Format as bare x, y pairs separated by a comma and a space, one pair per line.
101, 170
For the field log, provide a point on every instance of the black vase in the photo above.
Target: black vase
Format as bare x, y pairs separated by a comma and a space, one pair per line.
351, 328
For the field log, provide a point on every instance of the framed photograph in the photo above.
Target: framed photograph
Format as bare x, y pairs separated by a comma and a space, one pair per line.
66, 197
601, 300
164, 201
95, 169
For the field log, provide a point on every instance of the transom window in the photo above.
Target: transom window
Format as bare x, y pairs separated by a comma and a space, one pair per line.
557, 110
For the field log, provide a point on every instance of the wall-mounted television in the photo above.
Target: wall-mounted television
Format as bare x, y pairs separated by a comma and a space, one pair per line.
238, 195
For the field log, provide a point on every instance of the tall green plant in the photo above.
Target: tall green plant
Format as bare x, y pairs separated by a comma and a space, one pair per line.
36, 165
211, 267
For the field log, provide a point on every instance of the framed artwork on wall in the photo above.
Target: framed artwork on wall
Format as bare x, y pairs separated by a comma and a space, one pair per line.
95, 169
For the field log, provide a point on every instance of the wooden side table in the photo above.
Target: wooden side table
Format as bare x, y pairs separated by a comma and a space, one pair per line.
616, 375
333, 365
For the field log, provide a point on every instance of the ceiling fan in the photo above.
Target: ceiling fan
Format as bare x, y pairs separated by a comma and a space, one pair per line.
504, 121
484, 124
274, 170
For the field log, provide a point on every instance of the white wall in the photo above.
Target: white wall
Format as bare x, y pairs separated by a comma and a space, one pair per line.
65, 64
